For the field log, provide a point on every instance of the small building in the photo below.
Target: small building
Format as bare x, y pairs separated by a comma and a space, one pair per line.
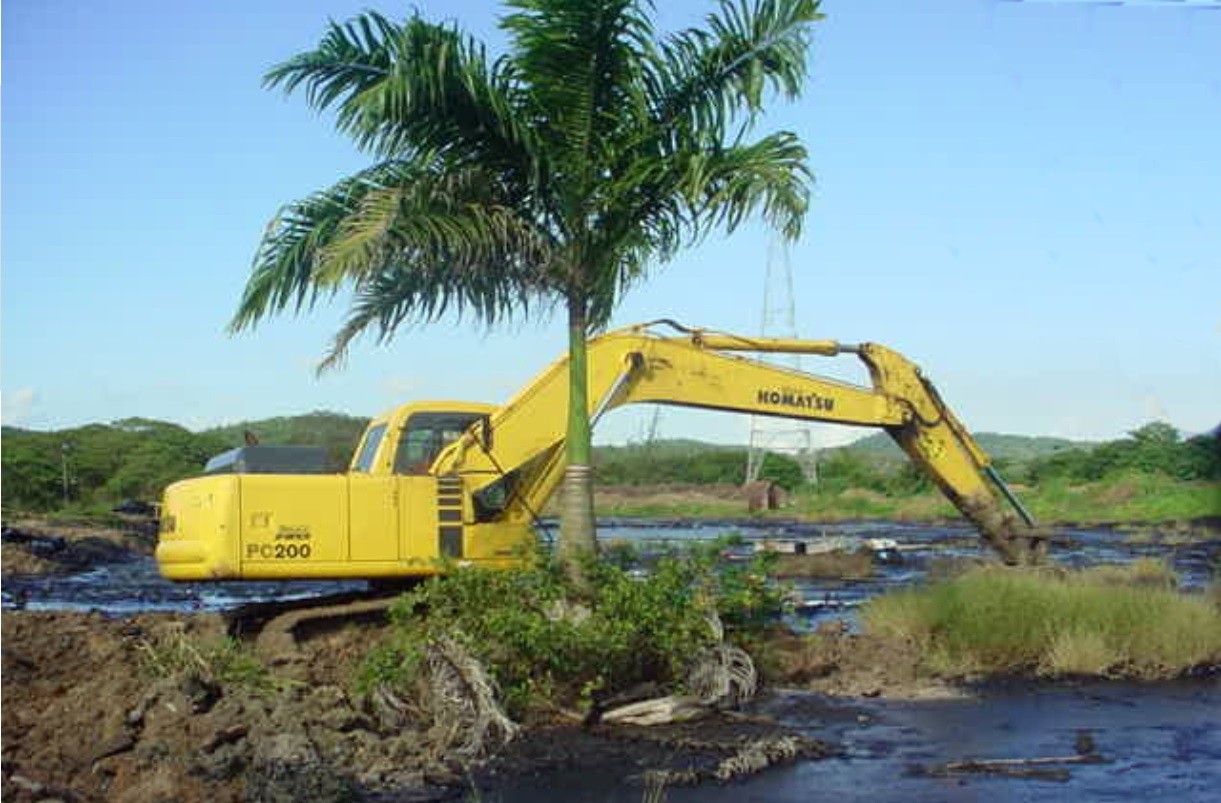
764, 495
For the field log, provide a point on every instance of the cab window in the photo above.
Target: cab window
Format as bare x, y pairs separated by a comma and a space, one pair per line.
368, 449
425, 435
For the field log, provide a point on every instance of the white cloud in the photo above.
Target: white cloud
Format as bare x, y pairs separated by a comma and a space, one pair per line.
15, 407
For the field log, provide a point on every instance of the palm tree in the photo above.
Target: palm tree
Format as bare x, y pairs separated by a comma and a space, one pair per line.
554, 175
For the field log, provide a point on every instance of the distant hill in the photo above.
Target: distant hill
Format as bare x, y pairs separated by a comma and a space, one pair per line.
879, 447
667, 447
684, 461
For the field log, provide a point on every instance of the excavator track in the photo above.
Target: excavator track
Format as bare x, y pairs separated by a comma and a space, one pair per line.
277, 628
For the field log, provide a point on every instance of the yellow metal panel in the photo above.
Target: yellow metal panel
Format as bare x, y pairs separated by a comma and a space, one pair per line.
290, 522
200, 530
499, 545
418, 520
373, 517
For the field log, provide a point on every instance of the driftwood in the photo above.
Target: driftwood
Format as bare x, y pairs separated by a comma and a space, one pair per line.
462, 698
723, 675
720, 676
658, 711
1049, 768
752, 758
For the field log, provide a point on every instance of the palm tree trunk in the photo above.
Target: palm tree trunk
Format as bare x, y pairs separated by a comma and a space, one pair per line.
577, 540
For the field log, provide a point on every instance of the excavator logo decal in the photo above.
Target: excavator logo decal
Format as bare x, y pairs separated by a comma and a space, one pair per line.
799, 401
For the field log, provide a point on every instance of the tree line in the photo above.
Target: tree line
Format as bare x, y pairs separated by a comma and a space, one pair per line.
100, 465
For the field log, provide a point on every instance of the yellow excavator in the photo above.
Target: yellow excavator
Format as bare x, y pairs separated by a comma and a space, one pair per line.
437, 483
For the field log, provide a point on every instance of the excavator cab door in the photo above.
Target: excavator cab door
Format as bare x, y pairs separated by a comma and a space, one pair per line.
373, 531
432, 507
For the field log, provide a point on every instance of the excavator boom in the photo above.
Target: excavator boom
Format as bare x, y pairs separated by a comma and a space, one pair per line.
696, 368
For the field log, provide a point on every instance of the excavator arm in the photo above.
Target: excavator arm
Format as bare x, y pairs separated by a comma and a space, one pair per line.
512, 461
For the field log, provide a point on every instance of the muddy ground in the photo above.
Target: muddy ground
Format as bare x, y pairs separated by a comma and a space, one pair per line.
84, 719
87, 715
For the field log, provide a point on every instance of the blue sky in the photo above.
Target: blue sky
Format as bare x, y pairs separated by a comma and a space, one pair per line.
1025, 198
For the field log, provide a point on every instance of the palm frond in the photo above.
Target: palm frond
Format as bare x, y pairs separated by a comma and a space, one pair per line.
728, 185
579, 61
283, 271
415, 289
461, 213
412, 86
662, 204
400, 214
702, 78
349, 58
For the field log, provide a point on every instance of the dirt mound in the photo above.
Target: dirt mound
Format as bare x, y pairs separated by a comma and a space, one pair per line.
84, 720
840, 663
88, 716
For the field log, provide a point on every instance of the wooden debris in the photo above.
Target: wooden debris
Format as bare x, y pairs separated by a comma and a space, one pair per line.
658, 711
1050, 768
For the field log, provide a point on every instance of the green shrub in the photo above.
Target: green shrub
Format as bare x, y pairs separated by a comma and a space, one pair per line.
1007, 621
543, 641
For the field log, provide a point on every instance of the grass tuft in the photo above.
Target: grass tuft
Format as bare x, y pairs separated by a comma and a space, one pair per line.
1143, 572
1118, 622
839, 564
173, 653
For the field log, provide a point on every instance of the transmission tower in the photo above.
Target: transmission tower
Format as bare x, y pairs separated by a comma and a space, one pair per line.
650, 434
769, 434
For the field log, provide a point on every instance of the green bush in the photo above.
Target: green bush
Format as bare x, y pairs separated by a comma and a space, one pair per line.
1154, 448
543, 640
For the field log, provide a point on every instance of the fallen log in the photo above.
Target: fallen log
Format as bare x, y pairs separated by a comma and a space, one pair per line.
658, 711
1048, 768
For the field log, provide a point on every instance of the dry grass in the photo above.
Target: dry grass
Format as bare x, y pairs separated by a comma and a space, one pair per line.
173, 652
1080, 652
831, 565
1143, 572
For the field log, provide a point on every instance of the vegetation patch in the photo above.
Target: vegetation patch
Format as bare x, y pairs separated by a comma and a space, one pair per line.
175, 653
692, 462
1110, 621
547, 644
840, 564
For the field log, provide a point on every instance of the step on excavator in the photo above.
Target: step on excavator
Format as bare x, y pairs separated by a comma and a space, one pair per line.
437, 484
